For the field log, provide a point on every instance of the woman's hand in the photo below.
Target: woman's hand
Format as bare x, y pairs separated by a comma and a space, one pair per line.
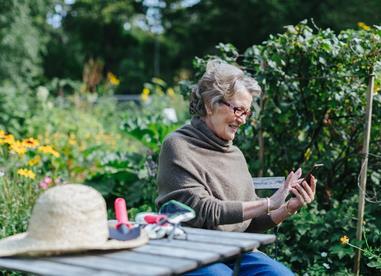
304, 194
279, 197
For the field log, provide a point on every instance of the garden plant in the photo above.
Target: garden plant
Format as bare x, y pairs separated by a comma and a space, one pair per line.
312, 109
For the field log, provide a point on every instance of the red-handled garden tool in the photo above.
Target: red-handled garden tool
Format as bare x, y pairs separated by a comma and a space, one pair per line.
123, 230
155, 219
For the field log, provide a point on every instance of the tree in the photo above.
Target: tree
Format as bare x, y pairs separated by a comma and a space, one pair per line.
22, 40
195, 30
102, 30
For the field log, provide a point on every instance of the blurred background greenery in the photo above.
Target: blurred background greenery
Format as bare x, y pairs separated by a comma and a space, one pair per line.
89, 89
137, 40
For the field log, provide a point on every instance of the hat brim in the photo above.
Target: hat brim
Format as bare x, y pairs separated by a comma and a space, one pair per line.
23, 245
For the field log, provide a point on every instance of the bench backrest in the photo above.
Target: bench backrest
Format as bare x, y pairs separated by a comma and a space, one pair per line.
262, 183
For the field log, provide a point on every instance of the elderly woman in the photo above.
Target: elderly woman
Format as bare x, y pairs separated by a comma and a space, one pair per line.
200, 167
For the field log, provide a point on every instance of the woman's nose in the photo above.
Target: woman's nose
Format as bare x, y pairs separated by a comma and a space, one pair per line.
241, 119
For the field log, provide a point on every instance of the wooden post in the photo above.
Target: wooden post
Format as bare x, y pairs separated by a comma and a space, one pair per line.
261, 140
363, 170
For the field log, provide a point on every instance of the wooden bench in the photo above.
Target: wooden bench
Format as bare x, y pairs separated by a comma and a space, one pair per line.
267, 183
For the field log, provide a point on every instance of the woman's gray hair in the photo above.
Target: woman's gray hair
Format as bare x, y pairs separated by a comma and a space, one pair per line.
220, 82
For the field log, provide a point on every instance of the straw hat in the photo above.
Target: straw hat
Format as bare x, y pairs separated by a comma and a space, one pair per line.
66, 218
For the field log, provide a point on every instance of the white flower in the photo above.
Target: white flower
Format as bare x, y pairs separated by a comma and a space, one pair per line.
170, 114
326, 265
42, 93
323, 254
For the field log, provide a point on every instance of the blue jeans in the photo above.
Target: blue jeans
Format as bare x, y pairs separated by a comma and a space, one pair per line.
253, 263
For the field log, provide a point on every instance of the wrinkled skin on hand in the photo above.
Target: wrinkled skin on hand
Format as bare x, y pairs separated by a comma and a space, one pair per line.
304, 194
293, 180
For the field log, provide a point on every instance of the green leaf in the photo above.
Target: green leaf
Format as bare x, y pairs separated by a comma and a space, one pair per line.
375, 264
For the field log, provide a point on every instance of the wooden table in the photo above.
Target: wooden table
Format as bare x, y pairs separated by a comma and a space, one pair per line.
158, 257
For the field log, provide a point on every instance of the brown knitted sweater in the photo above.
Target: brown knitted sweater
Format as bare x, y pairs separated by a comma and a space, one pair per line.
211, 176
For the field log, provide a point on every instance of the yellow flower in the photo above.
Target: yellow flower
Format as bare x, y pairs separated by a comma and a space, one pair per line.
18, 147
344, 240
8, 139
170, 92
48, 150
34, 161
31, 143
72, 141
363, 26
112, 79
2, 133
145, 94
26, 173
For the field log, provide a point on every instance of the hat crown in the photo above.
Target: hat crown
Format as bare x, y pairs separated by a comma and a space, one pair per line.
69, 214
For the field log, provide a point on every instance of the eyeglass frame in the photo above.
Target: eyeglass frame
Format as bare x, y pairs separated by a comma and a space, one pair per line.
247, 113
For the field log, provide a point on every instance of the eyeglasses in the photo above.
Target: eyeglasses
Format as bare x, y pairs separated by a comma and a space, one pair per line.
238, 111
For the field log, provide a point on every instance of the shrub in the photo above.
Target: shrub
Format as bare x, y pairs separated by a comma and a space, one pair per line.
133, 174
312, 111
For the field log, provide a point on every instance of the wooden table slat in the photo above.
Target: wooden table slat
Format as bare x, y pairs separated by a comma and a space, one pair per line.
262, 238
200, 256
115, 265
177, 265
227, 250
245, 245
40, 266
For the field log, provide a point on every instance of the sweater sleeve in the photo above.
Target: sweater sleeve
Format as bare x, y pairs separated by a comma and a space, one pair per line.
180, 179
260, 224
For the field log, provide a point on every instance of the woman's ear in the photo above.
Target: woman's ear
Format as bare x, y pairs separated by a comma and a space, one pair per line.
208, 109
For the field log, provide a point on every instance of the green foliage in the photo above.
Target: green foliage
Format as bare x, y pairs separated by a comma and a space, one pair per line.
133, 175
94, 140
309, 241
81, 134
16, 199
126, 43
196, 29
312, 109
23, 163
126, 50
14, 111
22, 40
314, 83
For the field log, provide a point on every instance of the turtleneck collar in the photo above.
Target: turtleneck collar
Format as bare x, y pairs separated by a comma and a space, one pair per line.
198, 123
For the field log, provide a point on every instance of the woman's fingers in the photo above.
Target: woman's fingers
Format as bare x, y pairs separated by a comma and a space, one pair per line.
290, 176
298, 196
298, 173
313, 183
309, 190
297, 182
296, 177
288, 181
303, 192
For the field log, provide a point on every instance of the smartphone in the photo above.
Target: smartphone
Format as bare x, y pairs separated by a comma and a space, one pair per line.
307, 177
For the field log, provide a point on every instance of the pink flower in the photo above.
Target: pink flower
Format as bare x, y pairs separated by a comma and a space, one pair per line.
43, 185
48, 180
